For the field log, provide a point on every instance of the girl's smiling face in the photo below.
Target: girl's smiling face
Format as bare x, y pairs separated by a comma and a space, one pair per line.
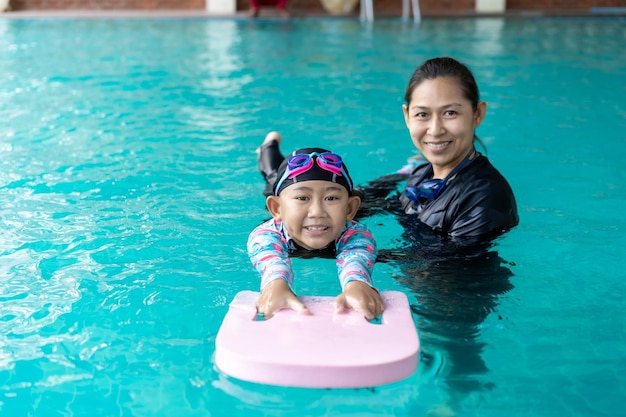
314, 213
441, 122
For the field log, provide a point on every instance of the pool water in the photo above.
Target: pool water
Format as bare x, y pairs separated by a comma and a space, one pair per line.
128, 185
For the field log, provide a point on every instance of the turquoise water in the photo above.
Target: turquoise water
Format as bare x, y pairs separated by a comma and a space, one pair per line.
128, 185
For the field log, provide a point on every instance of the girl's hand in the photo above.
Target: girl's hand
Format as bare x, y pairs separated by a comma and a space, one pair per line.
360, 297
277, 295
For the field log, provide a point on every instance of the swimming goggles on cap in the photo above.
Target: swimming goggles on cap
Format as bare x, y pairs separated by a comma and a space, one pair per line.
302, 162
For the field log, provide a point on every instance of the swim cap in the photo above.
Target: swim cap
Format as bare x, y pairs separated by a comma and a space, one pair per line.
316, 172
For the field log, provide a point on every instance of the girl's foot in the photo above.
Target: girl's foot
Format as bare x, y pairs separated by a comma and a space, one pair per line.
273, 135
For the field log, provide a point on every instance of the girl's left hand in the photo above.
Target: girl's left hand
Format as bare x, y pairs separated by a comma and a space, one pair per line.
360, 297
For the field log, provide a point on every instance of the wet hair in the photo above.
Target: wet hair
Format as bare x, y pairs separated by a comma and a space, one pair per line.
451, 68
445, 67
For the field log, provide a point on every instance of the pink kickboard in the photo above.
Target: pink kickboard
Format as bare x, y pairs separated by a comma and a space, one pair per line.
323, 350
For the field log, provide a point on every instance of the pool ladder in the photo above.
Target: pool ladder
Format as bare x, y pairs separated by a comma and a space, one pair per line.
367, 10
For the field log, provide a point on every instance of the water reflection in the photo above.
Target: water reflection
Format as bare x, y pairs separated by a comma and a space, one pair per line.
456, 286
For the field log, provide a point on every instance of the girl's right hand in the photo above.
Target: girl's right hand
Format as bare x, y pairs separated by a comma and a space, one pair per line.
277, 296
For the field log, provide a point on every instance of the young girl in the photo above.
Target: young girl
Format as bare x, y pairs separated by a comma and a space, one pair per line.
312, 202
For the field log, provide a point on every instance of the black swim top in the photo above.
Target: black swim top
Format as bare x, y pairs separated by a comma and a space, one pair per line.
477, 202
298, 251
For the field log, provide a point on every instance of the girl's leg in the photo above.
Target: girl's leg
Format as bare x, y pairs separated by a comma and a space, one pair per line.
270, 159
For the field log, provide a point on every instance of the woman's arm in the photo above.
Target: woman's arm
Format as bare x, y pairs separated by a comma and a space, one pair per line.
380, 195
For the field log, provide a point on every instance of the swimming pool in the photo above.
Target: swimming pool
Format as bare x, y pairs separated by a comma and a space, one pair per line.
128, 185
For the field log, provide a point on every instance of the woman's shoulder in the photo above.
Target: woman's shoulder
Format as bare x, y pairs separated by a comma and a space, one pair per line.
482, 170
482, 185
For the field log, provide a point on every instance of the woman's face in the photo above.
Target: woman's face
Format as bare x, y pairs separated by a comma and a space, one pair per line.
441, 122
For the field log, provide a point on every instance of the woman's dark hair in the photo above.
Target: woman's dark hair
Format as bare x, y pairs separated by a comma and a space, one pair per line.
445, 67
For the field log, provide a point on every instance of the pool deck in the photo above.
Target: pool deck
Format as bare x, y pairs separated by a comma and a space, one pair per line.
269, 13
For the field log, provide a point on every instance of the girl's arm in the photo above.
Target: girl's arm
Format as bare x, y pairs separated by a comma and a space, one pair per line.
356, 255
269, 254
268, 251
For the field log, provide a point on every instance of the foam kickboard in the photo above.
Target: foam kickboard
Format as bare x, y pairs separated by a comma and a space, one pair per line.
324, 350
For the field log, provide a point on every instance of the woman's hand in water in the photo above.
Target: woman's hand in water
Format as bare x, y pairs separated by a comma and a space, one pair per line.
360, 297
276, 296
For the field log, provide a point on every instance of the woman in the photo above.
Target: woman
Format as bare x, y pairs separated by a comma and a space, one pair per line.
456, 275
458, 193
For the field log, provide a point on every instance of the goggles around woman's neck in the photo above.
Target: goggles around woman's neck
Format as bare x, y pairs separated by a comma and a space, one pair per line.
300, 163
432, 188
